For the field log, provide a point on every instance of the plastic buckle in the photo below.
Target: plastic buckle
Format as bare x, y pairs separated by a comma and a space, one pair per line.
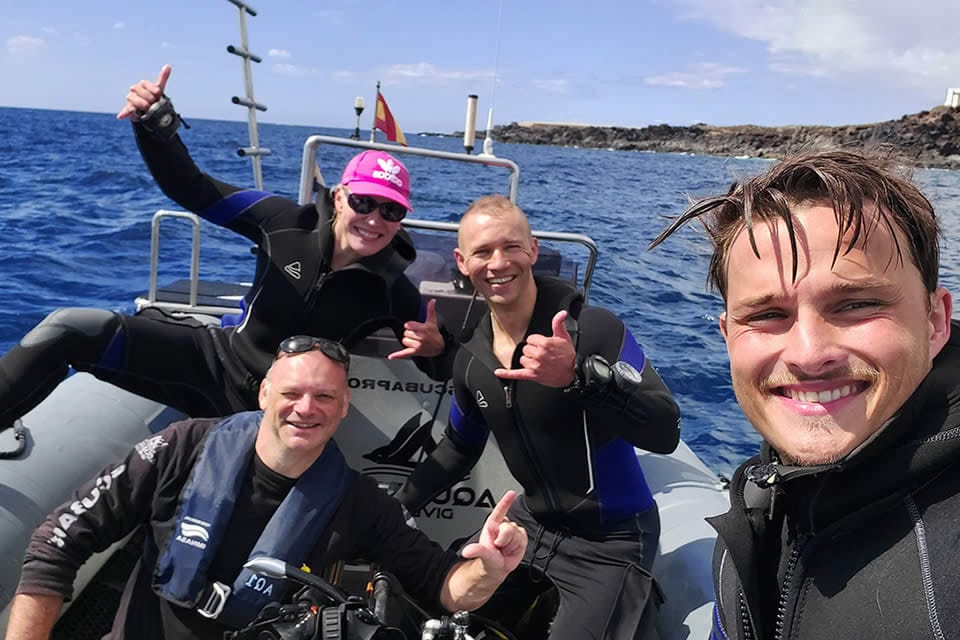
215, 600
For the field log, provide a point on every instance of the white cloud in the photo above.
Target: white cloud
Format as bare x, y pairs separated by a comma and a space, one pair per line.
278, 53
912, 42
23, 44
343, 75
286, 69
426, 72
119, 25
49, 30
167, 45
704, 75
552, 85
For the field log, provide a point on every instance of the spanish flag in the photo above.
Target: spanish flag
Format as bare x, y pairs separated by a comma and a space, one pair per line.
387, 123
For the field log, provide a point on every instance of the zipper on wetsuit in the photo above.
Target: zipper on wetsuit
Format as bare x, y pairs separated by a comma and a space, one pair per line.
745, 619
786, 587
547, 492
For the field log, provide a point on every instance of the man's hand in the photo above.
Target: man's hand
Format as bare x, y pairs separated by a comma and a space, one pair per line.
502, 542
501, 547
421, 339
144, 94
547, 360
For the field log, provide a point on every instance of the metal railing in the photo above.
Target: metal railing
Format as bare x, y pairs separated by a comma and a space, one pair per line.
155, 254
310, 170
555, 236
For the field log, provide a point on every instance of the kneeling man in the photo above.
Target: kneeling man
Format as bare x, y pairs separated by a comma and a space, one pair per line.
215, 492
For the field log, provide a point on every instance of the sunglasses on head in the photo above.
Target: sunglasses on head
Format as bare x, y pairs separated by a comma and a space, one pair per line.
389, 211
302, 344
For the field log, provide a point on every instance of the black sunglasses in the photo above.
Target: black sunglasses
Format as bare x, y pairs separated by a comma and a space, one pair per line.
389, 211
302, 344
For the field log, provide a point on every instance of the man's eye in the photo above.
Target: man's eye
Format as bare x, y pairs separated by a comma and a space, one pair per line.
765, 316
854, 305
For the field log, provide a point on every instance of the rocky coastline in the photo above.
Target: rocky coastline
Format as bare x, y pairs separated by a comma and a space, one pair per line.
929, 138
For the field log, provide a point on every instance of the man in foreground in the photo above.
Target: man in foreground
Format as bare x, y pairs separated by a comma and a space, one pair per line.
841, 356
215, 492
568, 393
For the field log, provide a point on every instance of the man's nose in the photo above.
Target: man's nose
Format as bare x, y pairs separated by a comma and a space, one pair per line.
305, 405
498, 259
810, 345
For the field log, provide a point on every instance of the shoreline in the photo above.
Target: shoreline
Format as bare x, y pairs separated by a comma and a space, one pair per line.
929, 139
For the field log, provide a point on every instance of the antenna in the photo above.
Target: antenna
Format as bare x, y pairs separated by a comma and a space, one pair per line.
488, 138
488, 134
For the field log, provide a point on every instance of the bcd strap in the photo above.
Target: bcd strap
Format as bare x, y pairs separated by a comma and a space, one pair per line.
161, 120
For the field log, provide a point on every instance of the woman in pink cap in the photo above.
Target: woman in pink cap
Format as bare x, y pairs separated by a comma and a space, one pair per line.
331, 270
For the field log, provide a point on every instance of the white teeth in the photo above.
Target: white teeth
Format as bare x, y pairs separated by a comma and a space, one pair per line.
500, 280
821, 396
370, 235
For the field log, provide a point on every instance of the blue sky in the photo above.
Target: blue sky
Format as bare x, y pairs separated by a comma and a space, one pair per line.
629, 63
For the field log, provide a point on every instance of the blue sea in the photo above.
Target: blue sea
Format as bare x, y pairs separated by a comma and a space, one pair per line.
76, 203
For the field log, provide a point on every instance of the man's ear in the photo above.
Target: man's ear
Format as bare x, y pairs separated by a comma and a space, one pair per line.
262, 396
722, 321
461, 261
941, 310
534, 250
346, 404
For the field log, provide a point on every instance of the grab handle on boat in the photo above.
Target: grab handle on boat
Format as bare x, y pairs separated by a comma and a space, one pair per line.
155, 253
20, 435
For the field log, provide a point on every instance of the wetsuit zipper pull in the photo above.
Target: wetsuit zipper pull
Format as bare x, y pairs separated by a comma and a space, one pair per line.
507, 396
318, 285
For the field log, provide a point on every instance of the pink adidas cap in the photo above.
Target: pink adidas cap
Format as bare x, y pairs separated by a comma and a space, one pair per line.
377, 173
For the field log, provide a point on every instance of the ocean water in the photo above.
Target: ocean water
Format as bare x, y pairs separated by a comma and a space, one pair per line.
76, 203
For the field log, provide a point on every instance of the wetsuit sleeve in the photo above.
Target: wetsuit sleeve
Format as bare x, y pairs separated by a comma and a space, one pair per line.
459, 450
246, 211
101, 512
419, 563
641, 410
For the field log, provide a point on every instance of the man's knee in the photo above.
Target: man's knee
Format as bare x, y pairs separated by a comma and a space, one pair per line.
72, 322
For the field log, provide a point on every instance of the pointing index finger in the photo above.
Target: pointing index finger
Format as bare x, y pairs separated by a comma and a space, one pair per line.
499, 512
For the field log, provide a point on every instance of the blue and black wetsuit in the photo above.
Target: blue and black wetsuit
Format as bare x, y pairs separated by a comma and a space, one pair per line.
207, 371
591, 519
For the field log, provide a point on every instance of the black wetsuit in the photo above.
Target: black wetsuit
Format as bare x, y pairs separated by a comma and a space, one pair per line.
592, 522
206, 371
145, 488
866, 547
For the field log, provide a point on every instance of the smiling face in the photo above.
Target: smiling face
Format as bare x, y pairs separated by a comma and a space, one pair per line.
304, 397
359, 235
819, 363
497, 252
